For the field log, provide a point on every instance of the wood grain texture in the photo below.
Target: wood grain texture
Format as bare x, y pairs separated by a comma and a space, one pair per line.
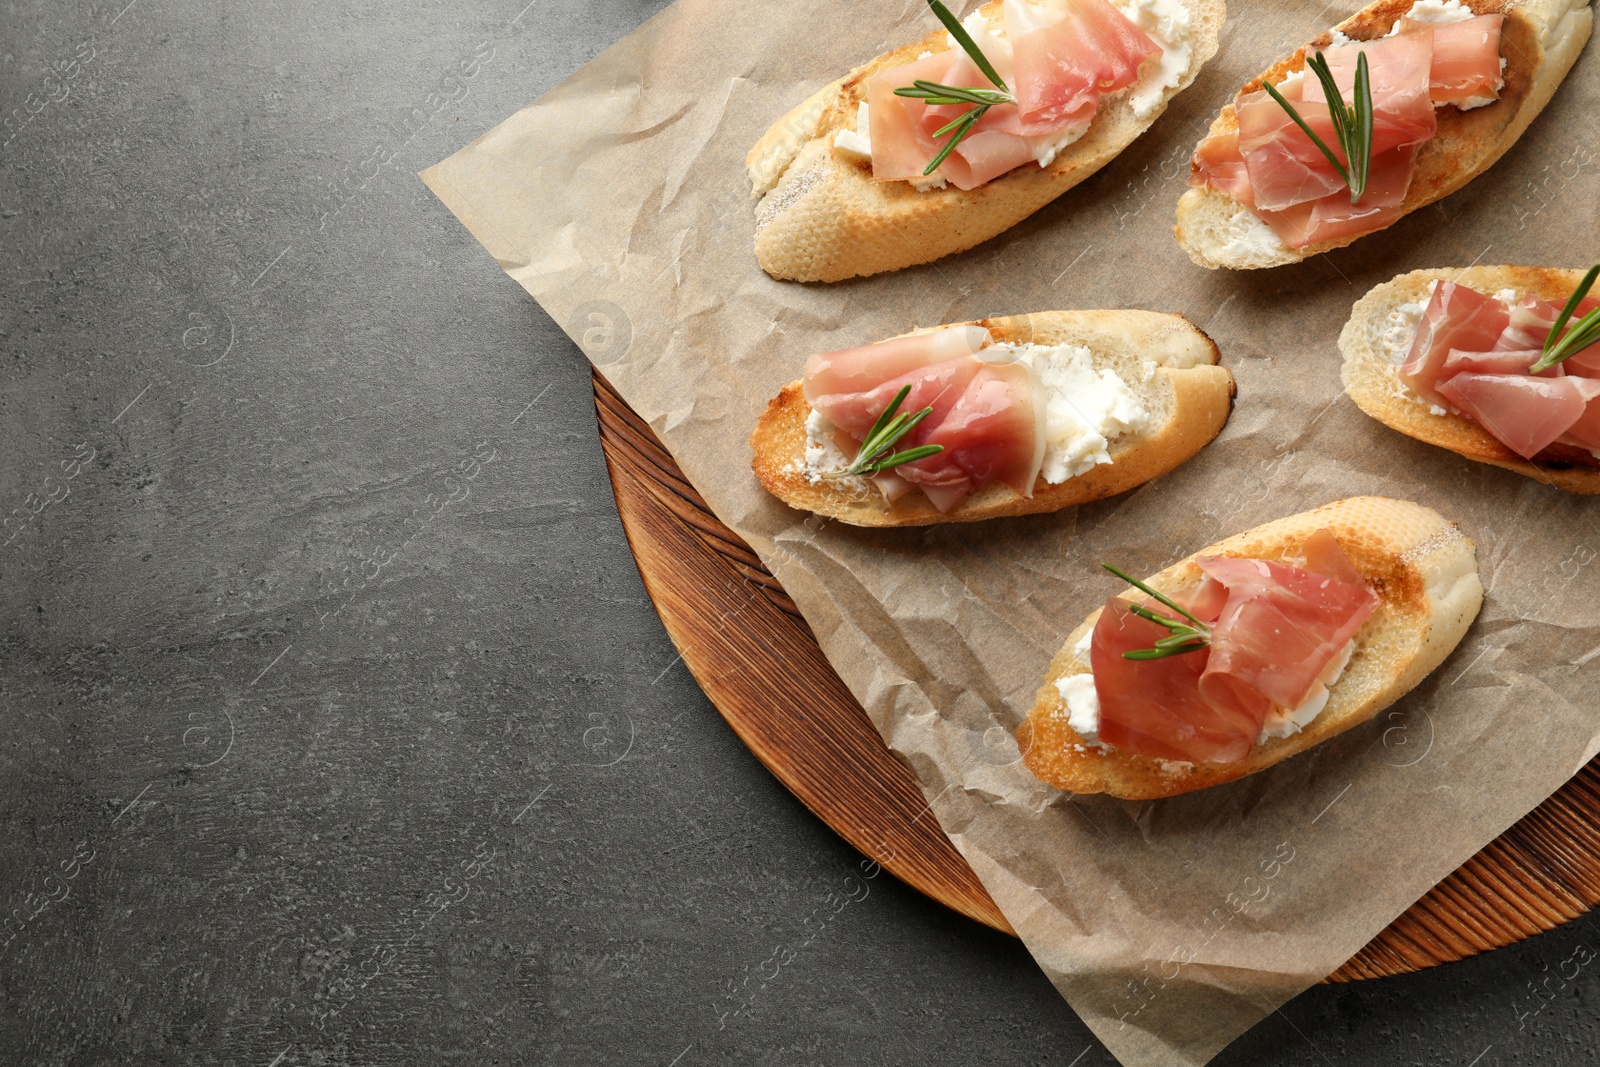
755, 657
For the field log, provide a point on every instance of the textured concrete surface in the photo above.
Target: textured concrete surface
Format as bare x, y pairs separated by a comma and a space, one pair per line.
335, 724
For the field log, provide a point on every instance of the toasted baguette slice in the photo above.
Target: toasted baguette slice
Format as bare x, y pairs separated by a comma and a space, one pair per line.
1540, 40
1370, 378
822, 217
1424, 570
1188, 398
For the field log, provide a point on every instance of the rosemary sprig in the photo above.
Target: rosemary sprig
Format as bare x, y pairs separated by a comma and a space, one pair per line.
1584, 332
889, 428
937, 95
1181, 637
1352, 124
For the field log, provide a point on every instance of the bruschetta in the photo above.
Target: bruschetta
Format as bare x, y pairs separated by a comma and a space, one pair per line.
1253, 650
1452, 84
856, 180
1449, 357
1004, 416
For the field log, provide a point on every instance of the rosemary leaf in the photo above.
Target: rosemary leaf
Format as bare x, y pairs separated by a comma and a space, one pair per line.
1181, 637
1585, 332
968, 45
1352, 124
1361, 159
887, 430
936, 95
1300, 122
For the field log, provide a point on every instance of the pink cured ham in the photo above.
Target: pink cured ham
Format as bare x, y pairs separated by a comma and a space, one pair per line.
988, 418
936, 385
1287, 168
1281, 628
1218, 163
1585, 364
1531, 320
1466, 58
992, 432
1324, 555
1334, 216
1526, 414
856, 370
903, 142
1154, 707
1059, 71
1275, 628
1511, 361
1586, 431
1284, 167
1528, 325
1456, 317
1063, 69
1400, 69
901, 147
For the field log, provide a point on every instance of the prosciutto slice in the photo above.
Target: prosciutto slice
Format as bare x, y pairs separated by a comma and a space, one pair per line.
1466, 59
1218, 163
1276, 629
1507, 362
901, 147
1528, 325
1586, 431
1154, 707
1059, 56
1284, 166
1400, 71
1069, 53
1456, 317
1334, 216
1585, 364
992, 432
1526, 414
1280, 629
903, 141
856, 370
1324, 555
989, 418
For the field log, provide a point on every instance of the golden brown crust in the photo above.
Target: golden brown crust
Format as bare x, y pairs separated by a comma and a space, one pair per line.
1425, 573
823, 218
1191, 392
1539, 46
1370, 379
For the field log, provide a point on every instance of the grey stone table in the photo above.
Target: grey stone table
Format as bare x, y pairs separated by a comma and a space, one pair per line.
335, 724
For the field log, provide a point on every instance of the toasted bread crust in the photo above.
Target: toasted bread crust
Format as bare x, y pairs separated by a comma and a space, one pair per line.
1425, 573
1194, 393
1370, 379
1540, 40
822, 217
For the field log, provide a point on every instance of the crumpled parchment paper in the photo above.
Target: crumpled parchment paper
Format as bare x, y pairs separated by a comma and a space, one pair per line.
619, 201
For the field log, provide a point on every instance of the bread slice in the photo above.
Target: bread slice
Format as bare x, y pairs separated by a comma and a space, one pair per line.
1540, 40
822, 217
1188, 398
1425, 573
1370, 378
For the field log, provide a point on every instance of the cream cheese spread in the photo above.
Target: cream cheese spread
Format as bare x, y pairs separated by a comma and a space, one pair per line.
1085, 409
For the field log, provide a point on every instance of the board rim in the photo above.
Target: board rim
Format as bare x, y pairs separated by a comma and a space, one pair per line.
716, 600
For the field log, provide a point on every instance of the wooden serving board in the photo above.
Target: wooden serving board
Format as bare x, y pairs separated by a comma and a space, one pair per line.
755, 657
